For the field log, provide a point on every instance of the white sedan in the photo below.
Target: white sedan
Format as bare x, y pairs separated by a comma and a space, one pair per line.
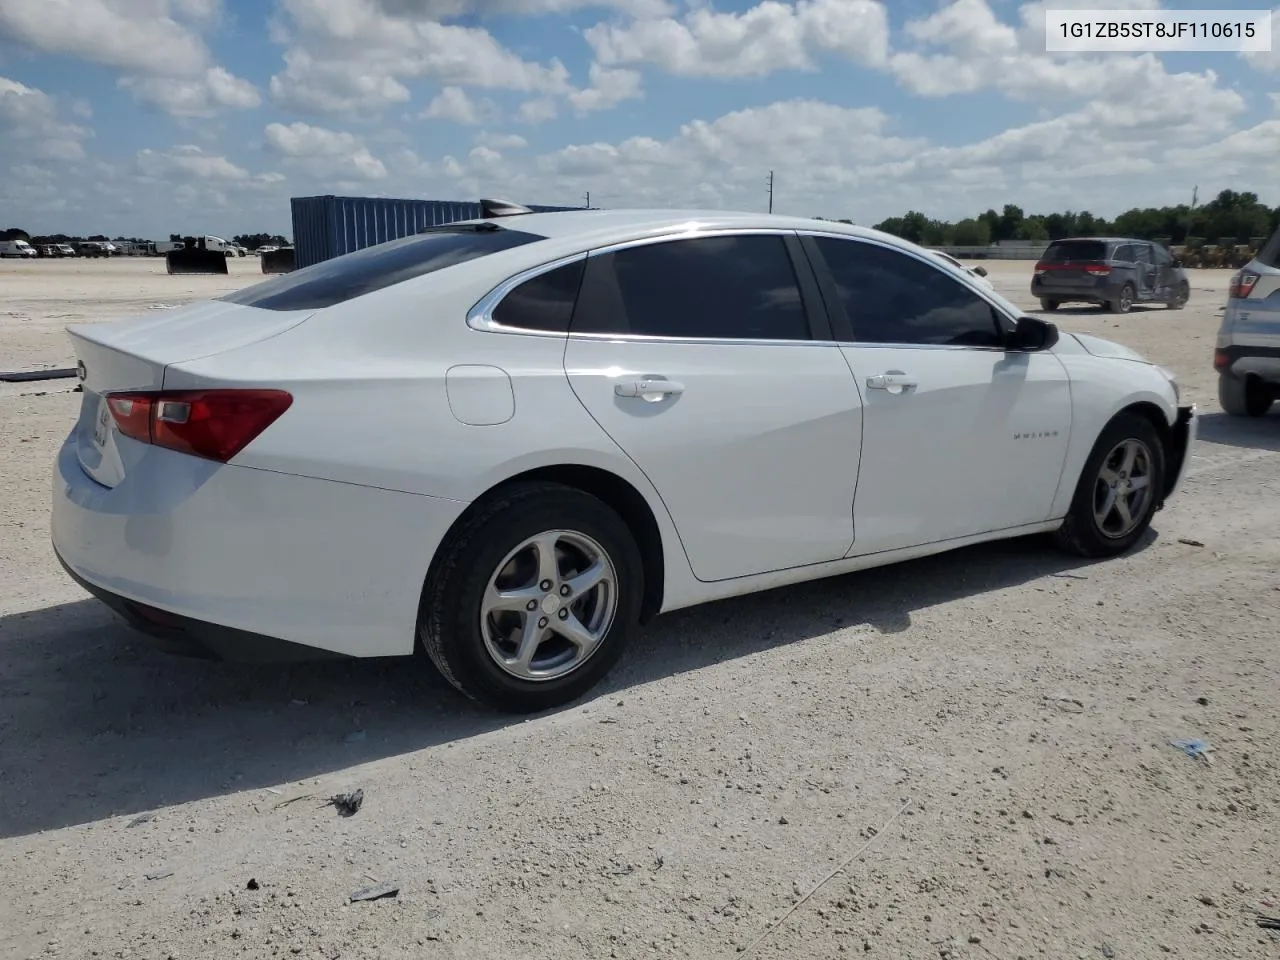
516, 439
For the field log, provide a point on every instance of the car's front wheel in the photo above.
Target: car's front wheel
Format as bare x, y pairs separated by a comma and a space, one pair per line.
1118, 490
1247, 396
1180, 296
533, 598
1049, 305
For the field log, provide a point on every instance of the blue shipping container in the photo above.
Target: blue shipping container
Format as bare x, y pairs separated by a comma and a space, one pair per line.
327, 227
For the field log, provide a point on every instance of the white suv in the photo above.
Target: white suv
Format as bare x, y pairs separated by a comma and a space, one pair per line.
1247, 357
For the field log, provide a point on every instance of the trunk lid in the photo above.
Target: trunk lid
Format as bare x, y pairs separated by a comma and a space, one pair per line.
133, 355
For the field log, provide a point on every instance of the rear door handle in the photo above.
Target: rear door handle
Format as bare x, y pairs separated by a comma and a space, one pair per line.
894, 382
652, 390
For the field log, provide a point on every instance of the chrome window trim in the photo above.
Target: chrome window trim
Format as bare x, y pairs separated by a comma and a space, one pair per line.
480, 316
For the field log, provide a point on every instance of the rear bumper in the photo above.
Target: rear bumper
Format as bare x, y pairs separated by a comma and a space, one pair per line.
1178, 456
249, 563
1098, 291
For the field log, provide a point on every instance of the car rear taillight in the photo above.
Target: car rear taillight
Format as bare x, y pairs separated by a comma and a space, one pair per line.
1221, 360
1242, 284
214, 424
1098, 270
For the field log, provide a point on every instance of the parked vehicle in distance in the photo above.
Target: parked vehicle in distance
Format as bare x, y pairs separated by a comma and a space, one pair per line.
1247, 355
1114, 273
97, 248
64, 249
517, 438
16, 248
979, 274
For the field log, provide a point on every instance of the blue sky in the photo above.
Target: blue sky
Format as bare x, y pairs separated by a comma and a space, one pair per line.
145, 117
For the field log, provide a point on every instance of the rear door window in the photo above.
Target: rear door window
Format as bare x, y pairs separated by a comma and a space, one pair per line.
1075, 251
373, 268
722, 288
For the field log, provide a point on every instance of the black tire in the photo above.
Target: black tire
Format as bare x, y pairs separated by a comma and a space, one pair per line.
1181, 297
1123, 303
449, 618
1247, 396
1049, 305
1081, 533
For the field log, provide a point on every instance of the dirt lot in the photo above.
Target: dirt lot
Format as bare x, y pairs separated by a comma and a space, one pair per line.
983, 737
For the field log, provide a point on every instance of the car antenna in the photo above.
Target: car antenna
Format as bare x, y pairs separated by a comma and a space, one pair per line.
491, 208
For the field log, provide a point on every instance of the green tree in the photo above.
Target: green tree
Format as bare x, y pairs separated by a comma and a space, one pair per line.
971, 232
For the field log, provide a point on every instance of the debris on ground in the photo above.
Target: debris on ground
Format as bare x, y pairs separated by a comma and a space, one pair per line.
253, 884
1189, 542
1194, 748
139, 821
376, 892
1269, 923
1065, 704
159, 874
347, 804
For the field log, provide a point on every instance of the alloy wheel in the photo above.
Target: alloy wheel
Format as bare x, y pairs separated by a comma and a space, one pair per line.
1123, 489
549, 605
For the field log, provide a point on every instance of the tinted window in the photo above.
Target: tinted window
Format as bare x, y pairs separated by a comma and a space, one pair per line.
544, 302
1062, 251
1142, 252
355, 274
891, 297
1162, 256
740, 287
1269, 255
1123, 253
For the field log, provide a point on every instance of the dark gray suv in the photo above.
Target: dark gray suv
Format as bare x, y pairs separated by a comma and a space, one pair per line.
1113, 272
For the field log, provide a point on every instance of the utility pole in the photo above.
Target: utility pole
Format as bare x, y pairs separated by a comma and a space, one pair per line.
588, 198
771, 191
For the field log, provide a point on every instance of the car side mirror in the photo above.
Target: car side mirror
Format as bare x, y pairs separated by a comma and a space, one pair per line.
1032, 333
980, 271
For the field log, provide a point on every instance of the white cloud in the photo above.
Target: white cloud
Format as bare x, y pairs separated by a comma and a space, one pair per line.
325, 152
453, 103
352, 56
137, 35
157, 43
30, 126
1269, 60
501, 141
203, 96
768, 37
607, 89
536, 111
188, 162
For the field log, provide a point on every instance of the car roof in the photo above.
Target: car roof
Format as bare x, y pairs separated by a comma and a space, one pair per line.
591, 227
1101, 240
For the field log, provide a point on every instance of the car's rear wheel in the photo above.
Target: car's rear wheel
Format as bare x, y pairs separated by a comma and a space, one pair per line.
1124, 302
1247, 396
533, 598
1049, 305
1181, 296
1118, 490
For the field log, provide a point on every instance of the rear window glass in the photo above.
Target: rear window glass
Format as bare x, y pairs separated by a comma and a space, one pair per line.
1269, 255
373, 268
1062, 251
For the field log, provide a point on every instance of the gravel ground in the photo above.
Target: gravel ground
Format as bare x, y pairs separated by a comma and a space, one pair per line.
978, 742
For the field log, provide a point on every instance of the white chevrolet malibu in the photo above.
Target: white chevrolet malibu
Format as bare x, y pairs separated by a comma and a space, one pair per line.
513, 440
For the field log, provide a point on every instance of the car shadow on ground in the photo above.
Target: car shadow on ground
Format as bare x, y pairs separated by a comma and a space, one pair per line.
1262, 433
96, 723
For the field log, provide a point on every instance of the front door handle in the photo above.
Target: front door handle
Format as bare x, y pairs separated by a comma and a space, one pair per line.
647, 389
893, 382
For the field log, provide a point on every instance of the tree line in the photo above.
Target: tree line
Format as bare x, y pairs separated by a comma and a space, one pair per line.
1229, 218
